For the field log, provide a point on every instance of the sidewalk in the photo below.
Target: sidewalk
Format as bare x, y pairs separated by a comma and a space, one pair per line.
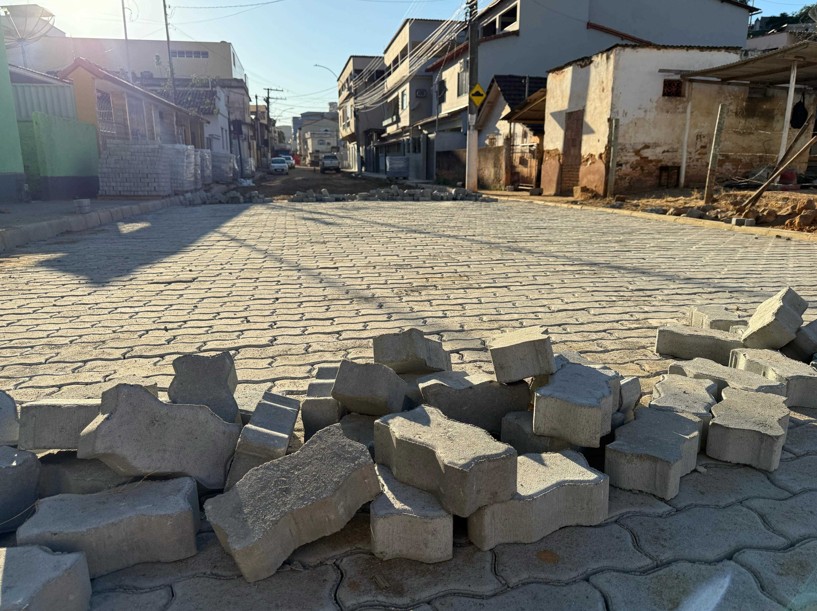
21, 222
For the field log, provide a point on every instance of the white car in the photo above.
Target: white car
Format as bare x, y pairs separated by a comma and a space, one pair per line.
278, 165
290, 161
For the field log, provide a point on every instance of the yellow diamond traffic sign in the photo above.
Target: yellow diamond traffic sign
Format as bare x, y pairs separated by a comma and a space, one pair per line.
477, 95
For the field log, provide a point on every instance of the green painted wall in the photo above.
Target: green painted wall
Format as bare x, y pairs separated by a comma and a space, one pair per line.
65, 147
11, 157
28, 144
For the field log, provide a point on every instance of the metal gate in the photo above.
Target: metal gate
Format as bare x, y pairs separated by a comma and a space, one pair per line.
523, 165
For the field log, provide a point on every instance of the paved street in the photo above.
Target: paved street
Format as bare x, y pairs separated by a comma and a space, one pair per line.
292, 287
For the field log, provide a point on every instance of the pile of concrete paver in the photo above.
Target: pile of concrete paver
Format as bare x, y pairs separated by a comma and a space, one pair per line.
395, 194
91, 487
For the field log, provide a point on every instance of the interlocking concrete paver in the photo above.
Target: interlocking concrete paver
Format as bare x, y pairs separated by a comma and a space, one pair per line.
795, 518
579, 596
790, 577
274, 285
722, 484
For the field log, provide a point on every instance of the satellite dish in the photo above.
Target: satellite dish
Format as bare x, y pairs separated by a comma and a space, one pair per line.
24, 24
812, 13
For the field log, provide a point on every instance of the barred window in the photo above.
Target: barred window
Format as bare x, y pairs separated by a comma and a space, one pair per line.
673, 88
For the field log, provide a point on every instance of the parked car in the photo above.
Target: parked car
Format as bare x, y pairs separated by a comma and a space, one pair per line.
330, 163
278, 165
290, 161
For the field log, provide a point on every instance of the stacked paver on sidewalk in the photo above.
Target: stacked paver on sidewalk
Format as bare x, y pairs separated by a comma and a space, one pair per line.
401, 440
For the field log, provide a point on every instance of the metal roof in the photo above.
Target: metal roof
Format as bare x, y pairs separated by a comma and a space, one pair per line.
772, 68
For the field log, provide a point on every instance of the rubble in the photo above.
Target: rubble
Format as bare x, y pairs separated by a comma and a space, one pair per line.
690, 342
319, 409
682, 395
524, 353
799, 379
266, 437
460, 464
474, 399
37, 579
55, 425
291, 501
653, 452
358, 428
714, 317
19, 474
369, 388
577, 404
9, 420
64, 473
552, 491
804, 344
148, 521
144, 436
776, 321
410, 352
725, 376
517, 432
206, 380
748, 428
409, 523
394, 193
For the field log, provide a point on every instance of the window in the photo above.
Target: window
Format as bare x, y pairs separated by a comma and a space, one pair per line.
508, 19
205, 54
104, 113
462, 83
197, 54
442, 89
188, 54
489, 29
415, 145
673, 88
404, 99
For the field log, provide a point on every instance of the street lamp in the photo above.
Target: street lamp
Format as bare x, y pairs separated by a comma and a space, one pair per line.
330, 70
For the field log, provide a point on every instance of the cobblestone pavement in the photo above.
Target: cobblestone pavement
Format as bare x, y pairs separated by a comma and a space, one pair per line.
293, 287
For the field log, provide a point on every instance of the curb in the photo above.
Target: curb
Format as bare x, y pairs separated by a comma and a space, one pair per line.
20, 236
759, 231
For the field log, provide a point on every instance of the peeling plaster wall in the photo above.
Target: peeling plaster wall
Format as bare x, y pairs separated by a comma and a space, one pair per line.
651, 127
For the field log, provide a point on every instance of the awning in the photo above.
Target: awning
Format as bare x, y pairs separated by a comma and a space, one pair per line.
532, 112
772, 68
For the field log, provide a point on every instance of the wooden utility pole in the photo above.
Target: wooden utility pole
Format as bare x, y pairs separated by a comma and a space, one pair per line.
472, 142
613, 148
127, 47
713, 156
174, 99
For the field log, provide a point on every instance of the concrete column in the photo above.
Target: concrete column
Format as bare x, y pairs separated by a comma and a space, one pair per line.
12, 177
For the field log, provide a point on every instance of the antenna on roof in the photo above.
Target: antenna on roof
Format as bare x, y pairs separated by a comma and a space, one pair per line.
24, 24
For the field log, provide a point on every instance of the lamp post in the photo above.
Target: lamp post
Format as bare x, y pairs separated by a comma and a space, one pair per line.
330, 70
337, 78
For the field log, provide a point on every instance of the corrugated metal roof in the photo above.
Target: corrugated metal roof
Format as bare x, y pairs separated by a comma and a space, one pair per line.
772, 68
57, 100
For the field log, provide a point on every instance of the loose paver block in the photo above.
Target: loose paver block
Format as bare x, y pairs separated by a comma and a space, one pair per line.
691, 342
360, 428
64, 473
690, 396
517, 432
577, 404
37, 579
474, 399
55, 425
410, 352
407, 522
144, 436
653, 452
553, 490
319, 409
630, 394
684, 585
462, 465
369, 388
799, 379
726, 377
206, 380
776, 321
148, 521
748, 428
19, 473
288, 502
524, 353
267, 435
713, 317
9, 420
804, 344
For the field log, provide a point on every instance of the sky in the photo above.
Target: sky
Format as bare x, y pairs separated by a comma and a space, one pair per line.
278, 41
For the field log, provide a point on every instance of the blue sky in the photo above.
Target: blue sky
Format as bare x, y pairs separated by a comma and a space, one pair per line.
278, 43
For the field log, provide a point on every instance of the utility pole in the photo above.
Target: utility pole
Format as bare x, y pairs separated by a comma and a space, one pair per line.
472, 142
169, 59
269, 117
127, 47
